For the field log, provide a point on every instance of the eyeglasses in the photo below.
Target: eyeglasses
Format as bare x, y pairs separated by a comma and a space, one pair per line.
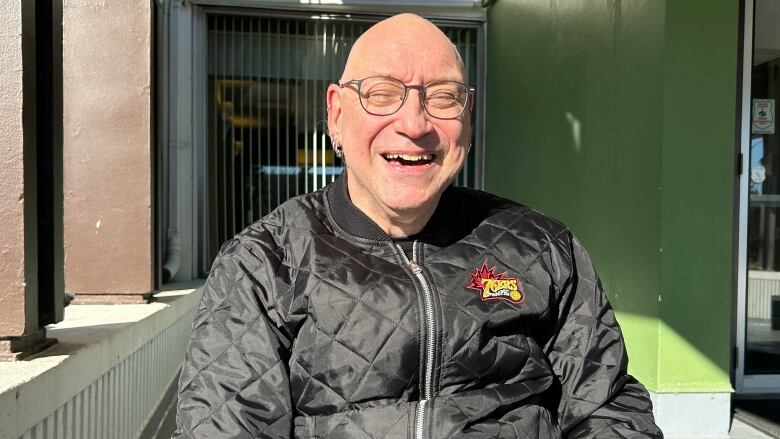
383, 96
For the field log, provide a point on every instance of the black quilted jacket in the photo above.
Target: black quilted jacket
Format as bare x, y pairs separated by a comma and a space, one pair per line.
490, 323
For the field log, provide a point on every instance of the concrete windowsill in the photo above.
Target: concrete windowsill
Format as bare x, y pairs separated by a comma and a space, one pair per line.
91, 340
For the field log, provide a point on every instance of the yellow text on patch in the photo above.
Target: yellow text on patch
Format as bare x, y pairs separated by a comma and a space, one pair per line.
495, 288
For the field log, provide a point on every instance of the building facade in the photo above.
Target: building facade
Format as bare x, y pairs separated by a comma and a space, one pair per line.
646, 126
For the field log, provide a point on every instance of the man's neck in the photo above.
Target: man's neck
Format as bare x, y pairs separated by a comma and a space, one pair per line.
401, 226
397, 224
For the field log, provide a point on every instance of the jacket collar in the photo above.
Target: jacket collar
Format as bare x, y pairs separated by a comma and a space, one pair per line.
352, 220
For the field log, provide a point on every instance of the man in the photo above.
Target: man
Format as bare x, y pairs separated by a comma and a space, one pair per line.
391, 305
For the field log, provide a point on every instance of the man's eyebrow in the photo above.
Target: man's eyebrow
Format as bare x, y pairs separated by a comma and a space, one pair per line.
373, 73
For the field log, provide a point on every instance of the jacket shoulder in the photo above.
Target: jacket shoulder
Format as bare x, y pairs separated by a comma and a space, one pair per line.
295, 219
510, 215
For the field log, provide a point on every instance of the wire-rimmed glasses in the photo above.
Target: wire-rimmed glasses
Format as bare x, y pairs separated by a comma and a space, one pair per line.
384, 95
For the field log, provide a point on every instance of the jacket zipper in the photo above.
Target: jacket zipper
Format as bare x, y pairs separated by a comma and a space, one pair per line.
430, 348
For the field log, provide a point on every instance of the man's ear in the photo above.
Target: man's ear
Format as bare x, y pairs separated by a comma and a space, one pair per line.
333, 104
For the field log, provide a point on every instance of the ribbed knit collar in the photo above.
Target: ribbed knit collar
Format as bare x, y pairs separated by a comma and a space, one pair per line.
355, 222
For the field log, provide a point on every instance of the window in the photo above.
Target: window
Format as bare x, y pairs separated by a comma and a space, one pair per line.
264, 135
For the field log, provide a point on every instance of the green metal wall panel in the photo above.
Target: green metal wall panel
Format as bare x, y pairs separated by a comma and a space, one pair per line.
584, 101
700, 96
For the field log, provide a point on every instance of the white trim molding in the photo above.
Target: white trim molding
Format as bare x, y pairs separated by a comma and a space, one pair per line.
692, 415
106, 375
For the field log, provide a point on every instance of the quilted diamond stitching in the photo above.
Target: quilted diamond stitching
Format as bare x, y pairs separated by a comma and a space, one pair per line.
463, 366
232, 395
359, 299
401, 416
358, 355
359, 427
311, 378
356, 261
232, 342
210, 363
376, 356
396, 324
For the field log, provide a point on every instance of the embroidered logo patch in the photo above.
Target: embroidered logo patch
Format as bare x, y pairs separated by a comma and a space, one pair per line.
495, 286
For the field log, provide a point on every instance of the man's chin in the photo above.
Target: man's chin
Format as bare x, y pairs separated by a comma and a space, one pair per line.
412, 203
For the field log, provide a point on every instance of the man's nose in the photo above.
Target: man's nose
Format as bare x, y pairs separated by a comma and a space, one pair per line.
411, 119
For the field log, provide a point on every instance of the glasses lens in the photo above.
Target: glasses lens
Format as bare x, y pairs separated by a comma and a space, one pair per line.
381, 96
445, 99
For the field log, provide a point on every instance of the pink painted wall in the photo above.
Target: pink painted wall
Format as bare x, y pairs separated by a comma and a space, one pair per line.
107, 51
11, 172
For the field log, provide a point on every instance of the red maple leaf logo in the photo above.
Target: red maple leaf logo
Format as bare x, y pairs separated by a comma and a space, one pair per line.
484, 273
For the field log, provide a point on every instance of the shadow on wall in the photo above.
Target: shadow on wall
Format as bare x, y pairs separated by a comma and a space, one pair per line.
162, 423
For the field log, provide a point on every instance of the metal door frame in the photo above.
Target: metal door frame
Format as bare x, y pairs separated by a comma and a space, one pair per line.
745, 383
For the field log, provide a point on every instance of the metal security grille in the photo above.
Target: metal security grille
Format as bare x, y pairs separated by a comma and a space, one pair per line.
266, 134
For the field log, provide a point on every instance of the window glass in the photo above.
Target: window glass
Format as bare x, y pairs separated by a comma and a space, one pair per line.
762, 353
266, 134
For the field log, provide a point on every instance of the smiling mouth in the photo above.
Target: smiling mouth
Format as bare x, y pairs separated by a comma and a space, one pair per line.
409, 159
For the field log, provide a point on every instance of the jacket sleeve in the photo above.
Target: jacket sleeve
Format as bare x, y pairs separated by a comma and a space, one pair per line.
588, 356
234, 381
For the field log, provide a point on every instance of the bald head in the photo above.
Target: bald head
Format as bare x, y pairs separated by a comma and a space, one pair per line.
385, 48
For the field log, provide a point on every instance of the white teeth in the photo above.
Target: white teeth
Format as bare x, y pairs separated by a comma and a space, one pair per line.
408, 157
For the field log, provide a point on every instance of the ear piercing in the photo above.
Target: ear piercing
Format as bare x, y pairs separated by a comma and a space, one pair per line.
337, 149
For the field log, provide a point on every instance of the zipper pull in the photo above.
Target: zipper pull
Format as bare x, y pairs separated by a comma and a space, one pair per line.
415, 268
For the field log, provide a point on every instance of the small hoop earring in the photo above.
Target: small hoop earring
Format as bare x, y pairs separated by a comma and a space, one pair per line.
337, 149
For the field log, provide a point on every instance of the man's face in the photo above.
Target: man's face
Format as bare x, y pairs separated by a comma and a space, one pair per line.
404, 161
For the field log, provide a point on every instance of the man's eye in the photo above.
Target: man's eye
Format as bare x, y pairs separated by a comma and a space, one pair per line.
382, 96
442, 100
